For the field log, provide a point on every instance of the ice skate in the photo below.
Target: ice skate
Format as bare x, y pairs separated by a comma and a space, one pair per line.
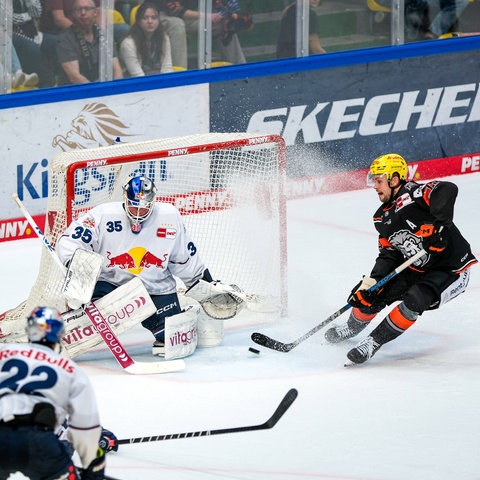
339, 333
158, 348
365, 350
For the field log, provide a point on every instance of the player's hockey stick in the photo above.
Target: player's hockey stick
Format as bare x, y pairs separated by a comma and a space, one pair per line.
102, 326
284, 405
268, 342
119, 352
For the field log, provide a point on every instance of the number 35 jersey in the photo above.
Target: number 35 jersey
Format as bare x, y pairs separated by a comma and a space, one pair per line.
160, 250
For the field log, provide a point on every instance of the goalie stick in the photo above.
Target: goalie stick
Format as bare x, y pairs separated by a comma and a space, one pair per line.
283, 406
39, 233
108, 335
265, 341
121, 355
81, 276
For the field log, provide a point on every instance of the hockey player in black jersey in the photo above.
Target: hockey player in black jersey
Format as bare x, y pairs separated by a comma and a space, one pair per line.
412, 216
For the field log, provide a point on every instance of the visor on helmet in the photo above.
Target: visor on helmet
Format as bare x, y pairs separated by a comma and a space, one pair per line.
371, 178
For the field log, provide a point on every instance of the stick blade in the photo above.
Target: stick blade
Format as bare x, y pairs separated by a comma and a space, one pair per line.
284, 405
267, 342
150, 368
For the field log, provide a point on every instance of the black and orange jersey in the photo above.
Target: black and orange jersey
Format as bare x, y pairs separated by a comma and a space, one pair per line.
401, 224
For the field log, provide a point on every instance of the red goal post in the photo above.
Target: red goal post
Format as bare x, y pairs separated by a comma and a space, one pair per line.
229, 188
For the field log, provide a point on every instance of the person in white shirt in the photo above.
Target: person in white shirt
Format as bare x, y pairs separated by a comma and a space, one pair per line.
146, 49
39, 390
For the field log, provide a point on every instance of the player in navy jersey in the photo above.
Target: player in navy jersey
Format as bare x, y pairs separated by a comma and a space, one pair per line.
39, 390
412, 216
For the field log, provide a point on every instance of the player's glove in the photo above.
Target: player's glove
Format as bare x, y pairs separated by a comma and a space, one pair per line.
360, 296
96, 469
108, 441
434, 238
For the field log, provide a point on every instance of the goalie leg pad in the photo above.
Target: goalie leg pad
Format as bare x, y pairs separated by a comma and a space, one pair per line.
210, 331
218, 300
123, 308
181, 331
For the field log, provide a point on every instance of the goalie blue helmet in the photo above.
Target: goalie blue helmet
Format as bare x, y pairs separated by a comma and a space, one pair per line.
139, 199
45, 324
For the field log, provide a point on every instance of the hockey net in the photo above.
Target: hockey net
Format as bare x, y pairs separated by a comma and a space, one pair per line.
227, 186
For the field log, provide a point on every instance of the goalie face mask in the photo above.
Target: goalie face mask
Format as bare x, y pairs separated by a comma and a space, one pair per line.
45, 324
139, 198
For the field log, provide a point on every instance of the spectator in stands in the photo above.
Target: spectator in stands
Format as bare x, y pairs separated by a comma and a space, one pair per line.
146, 49
287, 41
446, 20
175, 29
18, 77
226, 19
35, 49
78, 47
56, 16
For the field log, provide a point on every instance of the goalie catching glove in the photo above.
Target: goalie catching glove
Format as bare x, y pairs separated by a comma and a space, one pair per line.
219, 301
360, 296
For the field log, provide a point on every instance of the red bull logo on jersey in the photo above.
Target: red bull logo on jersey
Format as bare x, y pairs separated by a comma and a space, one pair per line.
135, 260
89, 222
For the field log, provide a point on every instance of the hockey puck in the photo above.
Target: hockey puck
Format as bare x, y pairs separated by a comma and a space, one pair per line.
254, 350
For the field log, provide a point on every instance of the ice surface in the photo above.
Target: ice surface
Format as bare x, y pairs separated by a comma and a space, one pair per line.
412, 412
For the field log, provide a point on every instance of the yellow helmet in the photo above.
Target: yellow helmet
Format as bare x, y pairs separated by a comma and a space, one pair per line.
388, 165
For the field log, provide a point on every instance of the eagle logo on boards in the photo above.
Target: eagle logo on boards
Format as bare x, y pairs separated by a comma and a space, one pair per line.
97, 125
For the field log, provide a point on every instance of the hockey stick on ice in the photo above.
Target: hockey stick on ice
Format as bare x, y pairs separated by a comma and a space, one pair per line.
284, 405
119, 352
102, 326
268, 342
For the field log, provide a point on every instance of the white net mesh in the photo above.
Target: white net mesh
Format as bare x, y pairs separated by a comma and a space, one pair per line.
227, 186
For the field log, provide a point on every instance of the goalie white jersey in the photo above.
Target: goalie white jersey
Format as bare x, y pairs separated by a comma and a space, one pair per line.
160, 250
